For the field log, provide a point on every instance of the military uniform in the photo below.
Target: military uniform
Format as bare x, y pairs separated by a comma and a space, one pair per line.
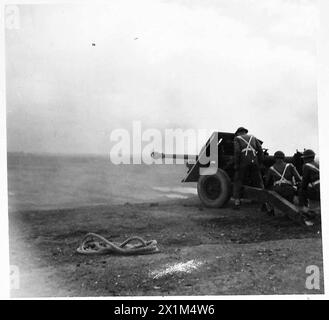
282, 177
248, 155
310, 186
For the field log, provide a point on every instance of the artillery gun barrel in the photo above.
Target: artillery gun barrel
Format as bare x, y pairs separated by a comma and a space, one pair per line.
158, 155
289, 159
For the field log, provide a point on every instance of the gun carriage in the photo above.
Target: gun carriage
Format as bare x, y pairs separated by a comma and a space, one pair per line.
213, 171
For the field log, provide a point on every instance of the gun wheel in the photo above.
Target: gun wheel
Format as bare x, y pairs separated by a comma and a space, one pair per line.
214, 191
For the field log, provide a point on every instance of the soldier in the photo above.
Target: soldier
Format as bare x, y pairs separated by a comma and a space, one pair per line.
310, 186
248, 155
283, 177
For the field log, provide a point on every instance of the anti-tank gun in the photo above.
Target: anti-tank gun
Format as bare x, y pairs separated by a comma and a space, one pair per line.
213, 171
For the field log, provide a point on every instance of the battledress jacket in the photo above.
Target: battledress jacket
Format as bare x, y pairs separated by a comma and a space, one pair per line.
247, 150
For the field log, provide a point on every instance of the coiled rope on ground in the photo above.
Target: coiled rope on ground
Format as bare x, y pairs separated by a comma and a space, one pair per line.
93, 243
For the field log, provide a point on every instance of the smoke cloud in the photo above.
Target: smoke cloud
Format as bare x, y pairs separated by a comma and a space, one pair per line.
76, 72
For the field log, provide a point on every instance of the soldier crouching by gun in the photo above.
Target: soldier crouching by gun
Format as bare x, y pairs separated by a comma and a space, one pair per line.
283, 178
310, 186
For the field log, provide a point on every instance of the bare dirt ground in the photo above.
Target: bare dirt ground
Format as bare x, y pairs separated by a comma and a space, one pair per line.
237, 252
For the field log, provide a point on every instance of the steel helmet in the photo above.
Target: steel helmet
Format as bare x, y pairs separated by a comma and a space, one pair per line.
279, 155
308, 153
241, 129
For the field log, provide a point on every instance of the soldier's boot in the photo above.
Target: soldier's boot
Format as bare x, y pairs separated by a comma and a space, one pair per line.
237, 204
267, 207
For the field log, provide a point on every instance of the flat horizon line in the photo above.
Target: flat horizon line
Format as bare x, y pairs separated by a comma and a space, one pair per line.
57, 153
44, 153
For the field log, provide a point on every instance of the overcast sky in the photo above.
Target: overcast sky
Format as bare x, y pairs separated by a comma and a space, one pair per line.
200, 64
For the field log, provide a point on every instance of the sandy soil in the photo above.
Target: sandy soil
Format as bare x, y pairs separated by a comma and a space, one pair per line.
235, 252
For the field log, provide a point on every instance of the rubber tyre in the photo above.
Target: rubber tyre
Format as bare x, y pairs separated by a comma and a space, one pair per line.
215, 190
